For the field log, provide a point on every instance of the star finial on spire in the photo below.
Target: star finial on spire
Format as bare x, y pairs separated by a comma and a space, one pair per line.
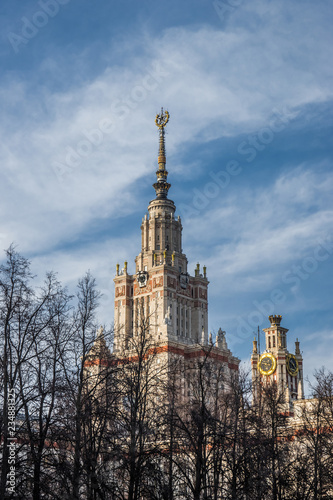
162, 119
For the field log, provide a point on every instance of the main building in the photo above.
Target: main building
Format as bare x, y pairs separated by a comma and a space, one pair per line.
171, 305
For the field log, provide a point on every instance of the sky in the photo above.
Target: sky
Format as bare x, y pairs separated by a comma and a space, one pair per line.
248, 86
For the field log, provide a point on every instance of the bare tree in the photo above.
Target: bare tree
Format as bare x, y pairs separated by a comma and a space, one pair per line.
80, 338
237, 444
135, 465
16, 297
313, 441
39, 383
270, 454
46, 344
199, 427
29, 320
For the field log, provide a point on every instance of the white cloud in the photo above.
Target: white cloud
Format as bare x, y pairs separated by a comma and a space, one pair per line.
265, 230
215, 83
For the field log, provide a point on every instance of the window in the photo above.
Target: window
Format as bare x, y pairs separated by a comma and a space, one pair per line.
273, 340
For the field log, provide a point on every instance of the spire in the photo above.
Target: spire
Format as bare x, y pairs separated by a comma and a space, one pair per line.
161, 186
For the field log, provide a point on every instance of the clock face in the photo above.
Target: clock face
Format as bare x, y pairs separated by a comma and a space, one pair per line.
183, 278
267, 364
292, 365
142, 277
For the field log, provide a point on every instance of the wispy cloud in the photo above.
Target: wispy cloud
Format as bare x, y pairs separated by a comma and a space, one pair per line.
78, 141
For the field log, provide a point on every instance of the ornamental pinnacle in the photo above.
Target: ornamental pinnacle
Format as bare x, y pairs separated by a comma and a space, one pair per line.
161, 186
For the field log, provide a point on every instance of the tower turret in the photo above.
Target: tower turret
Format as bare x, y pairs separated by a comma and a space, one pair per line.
277, 365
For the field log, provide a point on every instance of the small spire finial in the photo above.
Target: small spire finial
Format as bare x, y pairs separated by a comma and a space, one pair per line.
162, 186
297, 349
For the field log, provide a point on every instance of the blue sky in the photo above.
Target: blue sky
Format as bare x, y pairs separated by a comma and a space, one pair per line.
249, 149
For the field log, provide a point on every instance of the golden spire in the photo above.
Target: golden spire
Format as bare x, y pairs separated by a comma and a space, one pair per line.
162, 186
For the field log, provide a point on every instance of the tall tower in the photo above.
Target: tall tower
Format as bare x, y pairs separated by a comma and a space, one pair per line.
173, 303
161, 288
276, 364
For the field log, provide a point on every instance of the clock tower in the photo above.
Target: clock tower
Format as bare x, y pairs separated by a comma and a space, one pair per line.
161, 291
161, 287
276, 364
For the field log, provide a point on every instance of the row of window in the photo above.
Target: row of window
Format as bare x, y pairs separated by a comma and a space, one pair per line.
272, 341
